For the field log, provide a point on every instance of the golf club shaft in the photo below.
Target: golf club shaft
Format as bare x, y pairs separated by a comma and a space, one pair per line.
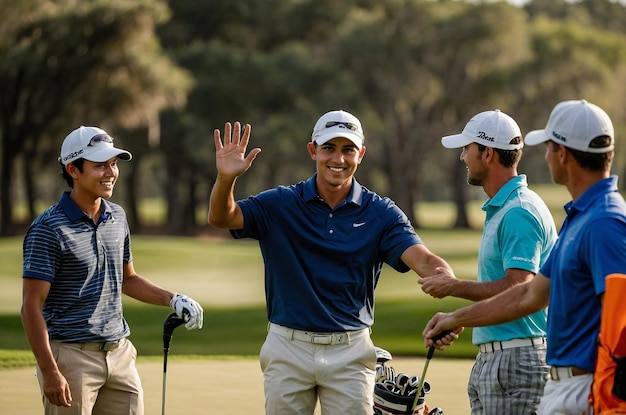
164, 382
420, 386
169, 325
431, 352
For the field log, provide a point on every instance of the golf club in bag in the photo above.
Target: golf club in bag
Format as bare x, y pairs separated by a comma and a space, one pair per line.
398, 393
169, 325
422, 384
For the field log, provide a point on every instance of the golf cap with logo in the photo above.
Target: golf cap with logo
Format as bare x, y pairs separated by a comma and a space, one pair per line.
90, 143
335, 124
575, 124
489, 128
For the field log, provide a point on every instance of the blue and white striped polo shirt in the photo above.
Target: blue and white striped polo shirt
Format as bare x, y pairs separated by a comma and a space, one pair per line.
84, 264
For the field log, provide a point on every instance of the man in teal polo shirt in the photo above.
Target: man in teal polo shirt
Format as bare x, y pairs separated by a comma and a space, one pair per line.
580, 146
510, 370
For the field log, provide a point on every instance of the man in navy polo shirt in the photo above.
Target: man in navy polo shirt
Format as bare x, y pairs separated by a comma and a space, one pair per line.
77, 264
324, 242
591, 244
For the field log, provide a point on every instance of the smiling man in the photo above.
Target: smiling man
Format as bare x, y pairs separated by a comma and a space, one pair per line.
324, 242
77, 265
518, 234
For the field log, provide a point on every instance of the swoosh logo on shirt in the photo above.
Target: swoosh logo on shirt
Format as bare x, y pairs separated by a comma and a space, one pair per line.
358, 224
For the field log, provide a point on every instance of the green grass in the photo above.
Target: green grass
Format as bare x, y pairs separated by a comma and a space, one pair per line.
226, 277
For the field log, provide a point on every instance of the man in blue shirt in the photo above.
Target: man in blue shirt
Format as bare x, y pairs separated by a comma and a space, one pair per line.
324, 242
590, 246
519, 232
77, 264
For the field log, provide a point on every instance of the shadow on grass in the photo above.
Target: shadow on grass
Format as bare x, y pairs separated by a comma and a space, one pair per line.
241, 331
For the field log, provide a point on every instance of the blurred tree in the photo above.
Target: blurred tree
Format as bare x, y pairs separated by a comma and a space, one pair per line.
426, 69
412, 70
66, 63
256, 62
570, 61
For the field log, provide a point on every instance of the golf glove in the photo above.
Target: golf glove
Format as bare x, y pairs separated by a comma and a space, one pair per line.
189, 310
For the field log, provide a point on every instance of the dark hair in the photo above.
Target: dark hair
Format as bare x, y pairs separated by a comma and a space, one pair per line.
508, 158
592, 161
68, 179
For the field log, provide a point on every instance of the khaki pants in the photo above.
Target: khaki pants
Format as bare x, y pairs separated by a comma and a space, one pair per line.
101, 383
298, 373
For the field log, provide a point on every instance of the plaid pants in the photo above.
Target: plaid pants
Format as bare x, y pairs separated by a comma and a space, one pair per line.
508, 381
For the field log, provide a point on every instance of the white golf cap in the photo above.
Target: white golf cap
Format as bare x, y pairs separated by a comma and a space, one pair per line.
90, 143
575, 124
335, 124
489, 128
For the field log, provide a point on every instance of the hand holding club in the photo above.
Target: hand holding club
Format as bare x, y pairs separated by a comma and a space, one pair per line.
188, 310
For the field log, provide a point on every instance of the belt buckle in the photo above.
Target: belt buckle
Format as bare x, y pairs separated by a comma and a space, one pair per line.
554, 373
108, 346
322, 338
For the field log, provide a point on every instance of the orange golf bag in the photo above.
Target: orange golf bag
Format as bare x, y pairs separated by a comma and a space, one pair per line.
609, 383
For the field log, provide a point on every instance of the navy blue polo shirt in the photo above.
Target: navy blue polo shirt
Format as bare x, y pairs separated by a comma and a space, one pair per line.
321, 264
84, 264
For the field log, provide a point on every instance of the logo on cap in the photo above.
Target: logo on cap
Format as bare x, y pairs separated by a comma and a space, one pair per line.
559, 136
483, 136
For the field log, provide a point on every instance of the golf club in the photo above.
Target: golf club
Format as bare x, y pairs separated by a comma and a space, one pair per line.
431, 351
171, 322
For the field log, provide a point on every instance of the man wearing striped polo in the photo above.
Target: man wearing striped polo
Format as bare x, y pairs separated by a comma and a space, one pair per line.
77, 265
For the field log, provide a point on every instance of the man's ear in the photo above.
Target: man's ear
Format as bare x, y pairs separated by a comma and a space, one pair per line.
362, 153
488, 154
71, 169
312, 149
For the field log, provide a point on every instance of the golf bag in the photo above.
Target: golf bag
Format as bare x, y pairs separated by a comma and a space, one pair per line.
395, 393
609, 379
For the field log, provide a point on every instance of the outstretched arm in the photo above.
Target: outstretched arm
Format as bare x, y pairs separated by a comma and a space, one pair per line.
512, 304
444, 283
425, 263
231, 162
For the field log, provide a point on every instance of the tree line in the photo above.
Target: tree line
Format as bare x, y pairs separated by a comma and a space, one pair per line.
161, 75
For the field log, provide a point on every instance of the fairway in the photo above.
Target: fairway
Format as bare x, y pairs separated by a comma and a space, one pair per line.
232, 387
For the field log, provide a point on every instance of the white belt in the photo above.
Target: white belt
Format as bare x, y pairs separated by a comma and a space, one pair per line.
325, 338
510, 344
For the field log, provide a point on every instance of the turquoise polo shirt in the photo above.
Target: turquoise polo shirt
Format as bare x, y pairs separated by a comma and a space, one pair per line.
519, 232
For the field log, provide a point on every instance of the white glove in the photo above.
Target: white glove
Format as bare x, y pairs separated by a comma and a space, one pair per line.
189, 310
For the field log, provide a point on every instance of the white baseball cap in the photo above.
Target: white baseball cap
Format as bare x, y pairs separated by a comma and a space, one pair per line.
575, 124
489, 128
335, 124
90, 143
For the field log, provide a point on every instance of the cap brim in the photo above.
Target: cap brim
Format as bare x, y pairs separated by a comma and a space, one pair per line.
106, 153
536, 137
455, 141
338, 133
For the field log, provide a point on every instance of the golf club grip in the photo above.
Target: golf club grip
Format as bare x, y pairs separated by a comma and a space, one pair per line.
431, 350
171, 322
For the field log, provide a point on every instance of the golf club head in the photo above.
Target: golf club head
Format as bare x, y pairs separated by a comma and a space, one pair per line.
171, 322
382, 355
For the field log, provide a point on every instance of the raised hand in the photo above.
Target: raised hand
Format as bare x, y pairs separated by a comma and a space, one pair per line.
230, 153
